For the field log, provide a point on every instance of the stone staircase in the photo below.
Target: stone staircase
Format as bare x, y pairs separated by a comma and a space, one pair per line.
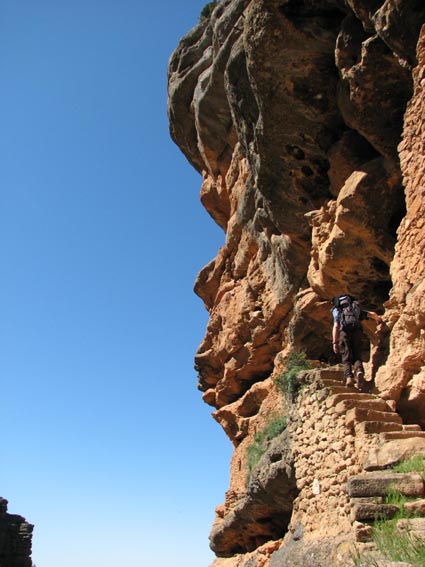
370, 417
366, 413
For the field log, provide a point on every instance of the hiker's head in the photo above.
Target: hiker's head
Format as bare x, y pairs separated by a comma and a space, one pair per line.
339, 300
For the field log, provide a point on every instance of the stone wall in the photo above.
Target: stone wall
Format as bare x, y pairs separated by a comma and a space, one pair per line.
297, 502
325, 457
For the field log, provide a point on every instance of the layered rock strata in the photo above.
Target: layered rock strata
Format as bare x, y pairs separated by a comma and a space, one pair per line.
306, 120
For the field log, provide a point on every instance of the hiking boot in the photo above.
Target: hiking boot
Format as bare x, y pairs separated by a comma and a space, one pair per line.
349, 380
360, 381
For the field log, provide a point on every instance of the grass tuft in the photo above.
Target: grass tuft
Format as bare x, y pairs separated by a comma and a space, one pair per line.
396, 498
414, 464
262, 440
397, 546
391, 543
363, 559
287, 381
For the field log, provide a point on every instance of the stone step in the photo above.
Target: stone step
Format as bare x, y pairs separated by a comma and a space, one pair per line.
379, 483
340, 389
392, 451
331, 374
363, 533
412, 427
330, 383
371, 427
375, 404
368, 511
402, 434
335, 399
358, 415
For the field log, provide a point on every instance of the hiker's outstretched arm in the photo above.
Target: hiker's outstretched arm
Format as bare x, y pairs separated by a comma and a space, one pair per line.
374, 316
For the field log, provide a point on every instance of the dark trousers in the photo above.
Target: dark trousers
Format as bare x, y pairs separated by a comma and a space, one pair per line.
350, 347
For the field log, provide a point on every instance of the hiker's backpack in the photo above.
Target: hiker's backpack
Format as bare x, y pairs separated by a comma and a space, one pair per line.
350, 312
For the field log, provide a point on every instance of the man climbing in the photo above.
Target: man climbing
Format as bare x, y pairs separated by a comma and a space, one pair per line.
347, 337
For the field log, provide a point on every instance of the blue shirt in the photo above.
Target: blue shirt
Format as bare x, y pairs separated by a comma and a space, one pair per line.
336, 315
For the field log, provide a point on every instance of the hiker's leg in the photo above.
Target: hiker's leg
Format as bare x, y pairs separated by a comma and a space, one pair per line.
346, 357
356, 345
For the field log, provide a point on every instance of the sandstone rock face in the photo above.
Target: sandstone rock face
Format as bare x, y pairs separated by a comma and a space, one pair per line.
403, 377
306, 120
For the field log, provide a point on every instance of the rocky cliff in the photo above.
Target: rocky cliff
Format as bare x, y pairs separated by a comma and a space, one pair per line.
306, 120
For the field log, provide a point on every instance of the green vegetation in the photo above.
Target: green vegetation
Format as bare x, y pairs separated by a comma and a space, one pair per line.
262, 440
396, 498
391, 543
363, 560
397, 546
287, 381
414, 464
207, 10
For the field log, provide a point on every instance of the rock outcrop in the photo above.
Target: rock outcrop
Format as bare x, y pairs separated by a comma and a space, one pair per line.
306, 120
15, 539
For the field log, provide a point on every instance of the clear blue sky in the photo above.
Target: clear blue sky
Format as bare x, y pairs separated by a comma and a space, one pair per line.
106, 445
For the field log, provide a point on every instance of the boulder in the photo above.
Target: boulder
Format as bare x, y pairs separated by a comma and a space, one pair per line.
393, 452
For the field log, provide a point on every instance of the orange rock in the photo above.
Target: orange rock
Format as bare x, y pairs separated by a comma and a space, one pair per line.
293, 112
